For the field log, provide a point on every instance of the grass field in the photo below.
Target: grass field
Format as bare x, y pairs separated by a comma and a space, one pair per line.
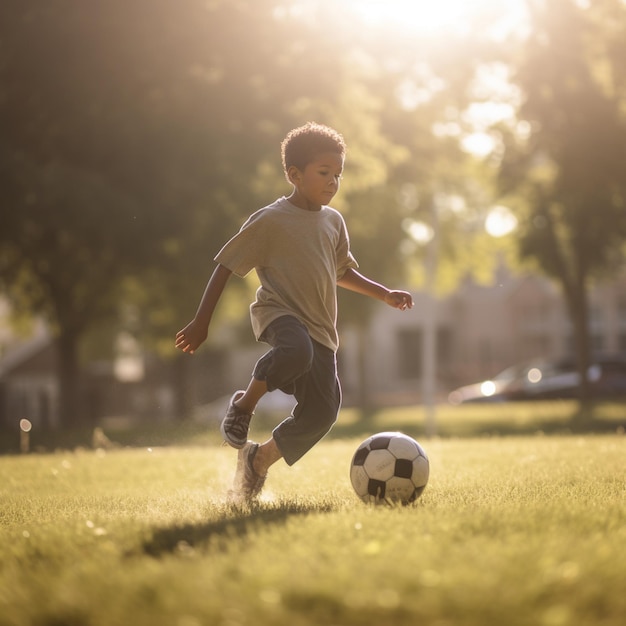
525, 529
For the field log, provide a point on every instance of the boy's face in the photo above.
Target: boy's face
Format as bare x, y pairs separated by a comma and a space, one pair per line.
318, 183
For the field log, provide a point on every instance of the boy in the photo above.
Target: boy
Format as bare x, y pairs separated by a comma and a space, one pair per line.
300, 250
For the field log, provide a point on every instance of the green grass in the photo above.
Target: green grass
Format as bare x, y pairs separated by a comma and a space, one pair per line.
521, 530
521, 418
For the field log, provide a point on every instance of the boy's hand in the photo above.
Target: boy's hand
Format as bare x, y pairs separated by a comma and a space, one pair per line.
191, 337
399, 300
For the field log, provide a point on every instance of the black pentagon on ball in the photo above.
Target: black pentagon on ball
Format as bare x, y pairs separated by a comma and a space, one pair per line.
376, 488
404, 468
359, 456
380, 443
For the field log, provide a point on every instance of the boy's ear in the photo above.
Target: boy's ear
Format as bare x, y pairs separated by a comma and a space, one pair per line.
293, 174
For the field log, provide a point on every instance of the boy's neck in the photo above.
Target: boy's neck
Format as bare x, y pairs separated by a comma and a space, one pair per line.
297, 200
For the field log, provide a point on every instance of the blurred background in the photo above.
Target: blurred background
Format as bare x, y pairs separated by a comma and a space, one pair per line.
486, 172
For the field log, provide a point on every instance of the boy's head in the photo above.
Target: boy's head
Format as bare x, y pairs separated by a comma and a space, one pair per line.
303, 144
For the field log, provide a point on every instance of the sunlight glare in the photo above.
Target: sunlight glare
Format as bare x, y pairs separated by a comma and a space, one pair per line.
488, 388
420, 232
422, 16
417, 15
479, 144
500, 221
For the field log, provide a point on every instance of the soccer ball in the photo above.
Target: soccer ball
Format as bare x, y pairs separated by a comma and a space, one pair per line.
389, 468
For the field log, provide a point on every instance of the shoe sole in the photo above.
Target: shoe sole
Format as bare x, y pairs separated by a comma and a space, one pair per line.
232, 442
254, 492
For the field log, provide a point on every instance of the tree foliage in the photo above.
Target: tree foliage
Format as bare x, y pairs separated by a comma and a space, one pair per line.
138, 135
136, 138
570, 168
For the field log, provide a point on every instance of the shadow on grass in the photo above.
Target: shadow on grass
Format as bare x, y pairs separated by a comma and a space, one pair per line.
238, 523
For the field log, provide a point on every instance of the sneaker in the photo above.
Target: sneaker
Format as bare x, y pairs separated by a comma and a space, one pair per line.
247, 483
235, 425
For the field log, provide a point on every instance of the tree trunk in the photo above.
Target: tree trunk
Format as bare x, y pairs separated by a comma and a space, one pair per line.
69, 379
578, 305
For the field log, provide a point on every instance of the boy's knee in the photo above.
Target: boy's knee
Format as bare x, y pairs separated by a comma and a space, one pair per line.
298, 358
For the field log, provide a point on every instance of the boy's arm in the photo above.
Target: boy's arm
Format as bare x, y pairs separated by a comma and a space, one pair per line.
193, 335
354, 281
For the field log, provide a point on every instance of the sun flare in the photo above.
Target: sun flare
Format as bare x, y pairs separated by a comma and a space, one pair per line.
439, 16
420, 14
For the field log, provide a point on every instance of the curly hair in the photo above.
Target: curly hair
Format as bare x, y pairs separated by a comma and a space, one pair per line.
303, 144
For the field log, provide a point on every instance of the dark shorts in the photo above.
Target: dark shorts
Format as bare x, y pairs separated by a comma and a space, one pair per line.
306, 369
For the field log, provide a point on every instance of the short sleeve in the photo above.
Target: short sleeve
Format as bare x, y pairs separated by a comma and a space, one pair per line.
246, 249
345, 259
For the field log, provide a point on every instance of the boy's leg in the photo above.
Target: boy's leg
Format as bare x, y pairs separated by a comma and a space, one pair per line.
248, 482
288, 362
236, 422
289, 358
248, 400
266, 455
253, 462
318, 394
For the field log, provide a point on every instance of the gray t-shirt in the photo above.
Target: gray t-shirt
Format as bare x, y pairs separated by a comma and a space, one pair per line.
298, 255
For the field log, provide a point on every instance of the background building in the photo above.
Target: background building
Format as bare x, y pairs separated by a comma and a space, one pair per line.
480, 330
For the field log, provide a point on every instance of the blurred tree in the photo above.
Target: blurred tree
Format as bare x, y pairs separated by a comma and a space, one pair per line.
401, 89
58, 257
116, 137
569, 161
137, 136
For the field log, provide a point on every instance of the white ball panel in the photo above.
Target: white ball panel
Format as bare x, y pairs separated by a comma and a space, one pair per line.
421, 471
403, 447
380, 464
399, 489
359, 480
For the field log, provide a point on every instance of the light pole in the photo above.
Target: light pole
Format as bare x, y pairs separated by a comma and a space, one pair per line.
429, 347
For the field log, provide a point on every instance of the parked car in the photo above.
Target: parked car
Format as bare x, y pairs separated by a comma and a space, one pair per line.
543, 380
